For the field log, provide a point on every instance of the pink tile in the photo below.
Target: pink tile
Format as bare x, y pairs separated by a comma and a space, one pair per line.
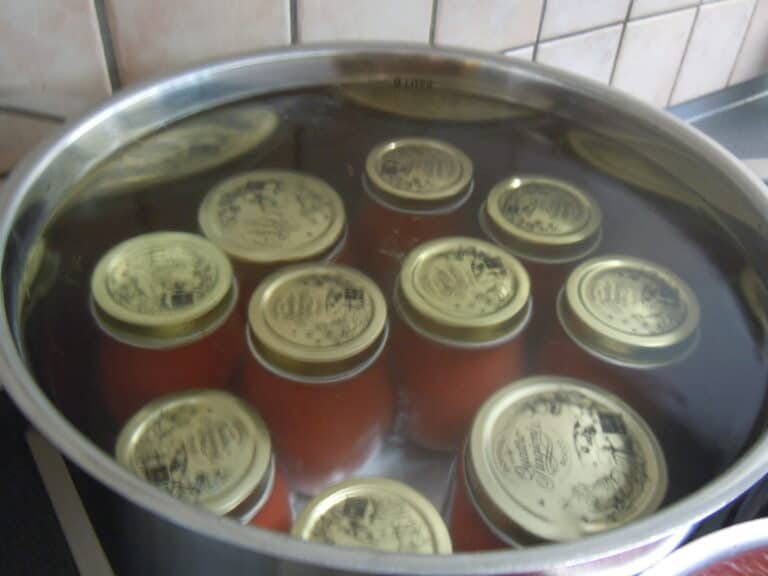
753, 58
590, 54
20, 135
717, 35
153, 38
487, 24
334, 20
651, 53
569, 16
52, 48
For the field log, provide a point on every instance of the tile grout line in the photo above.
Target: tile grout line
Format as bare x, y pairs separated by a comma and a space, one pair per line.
621, 42
293, 19
538, 32
433, 23
685, 54
107, 45
750, 22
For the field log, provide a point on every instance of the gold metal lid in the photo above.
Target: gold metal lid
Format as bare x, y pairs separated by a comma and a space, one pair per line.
551, 458
205, 447
541, 218
464, 291
192, 145
418, 173
629, 311
317, 320
421, 99
273, 216
162, 286
626, 160
374, 513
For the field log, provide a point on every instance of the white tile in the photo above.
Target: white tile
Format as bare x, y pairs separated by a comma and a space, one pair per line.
590, 54
753, 59
714, 43
52, 48
487, 24
648, 7
524, 53
153, 38
651, 53
568, 16
331, 20
19, 135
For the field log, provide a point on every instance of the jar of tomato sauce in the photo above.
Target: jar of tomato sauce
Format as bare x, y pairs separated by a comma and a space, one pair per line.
462, 303
549, 224
552, 459
376, 513
165, 304
317, 333
266, 219
208, 448
621, 318
414, 187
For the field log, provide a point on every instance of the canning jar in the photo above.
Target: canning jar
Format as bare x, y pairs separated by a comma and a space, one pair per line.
316, 333
549, 224
164, 302
265, 219
620, 318
376, 513
414, 188
462, 303
208, 448
552, 459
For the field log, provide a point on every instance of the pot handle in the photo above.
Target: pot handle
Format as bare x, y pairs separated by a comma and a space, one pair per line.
759, 166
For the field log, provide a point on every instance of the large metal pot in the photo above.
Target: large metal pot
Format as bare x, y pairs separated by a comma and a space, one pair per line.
173, 536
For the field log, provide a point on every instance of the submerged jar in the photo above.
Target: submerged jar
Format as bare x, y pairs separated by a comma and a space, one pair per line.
265, 219
621, 318
317, 333
208, 448
415, 187
553, 459
165, 304
376, 513
462, 303
549, 224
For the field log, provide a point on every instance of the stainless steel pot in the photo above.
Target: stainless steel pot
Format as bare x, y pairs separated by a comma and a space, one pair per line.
172, 536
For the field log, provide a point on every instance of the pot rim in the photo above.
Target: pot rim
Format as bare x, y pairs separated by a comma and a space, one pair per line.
319, 66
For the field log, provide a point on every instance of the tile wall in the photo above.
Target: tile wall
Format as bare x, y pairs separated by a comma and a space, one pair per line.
663, 51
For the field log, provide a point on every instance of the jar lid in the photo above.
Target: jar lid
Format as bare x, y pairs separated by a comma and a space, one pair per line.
162, 287
423, 100
273, 216
464, 291
551, 458
317, 321
629, 311
541, 218
418, 174
205, 447
190, 146
374, 513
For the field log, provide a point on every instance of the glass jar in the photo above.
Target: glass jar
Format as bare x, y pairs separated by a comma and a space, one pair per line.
317, 333
208, 448
414, 187
376, 513
265, 219
621, 318
549, 224
165, 304
553, 459
462, 303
